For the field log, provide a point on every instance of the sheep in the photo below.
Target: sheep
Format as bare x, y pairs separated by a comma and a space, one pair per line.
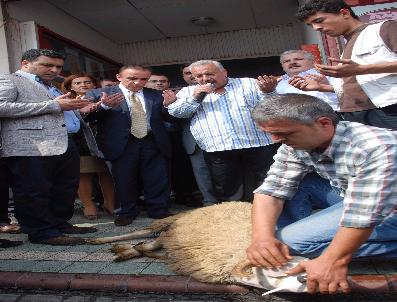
206, 243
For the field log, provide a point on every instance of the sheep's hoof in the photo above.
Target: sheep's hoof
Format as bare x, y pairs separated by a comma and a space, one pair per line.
118, 248
128, 254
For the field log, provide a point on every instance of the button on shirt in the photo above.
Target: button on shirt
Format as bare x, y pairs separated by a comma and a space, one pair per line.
361, 161
223, 122
284, 87
71, 121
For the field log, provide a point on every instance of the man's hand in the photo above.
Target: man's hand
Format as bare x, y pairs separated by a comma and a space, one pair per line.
267, 84
90, 108
329, 277
311, 83
112, 100
207, 88
67, 103
169, 97
345, 68
270, 253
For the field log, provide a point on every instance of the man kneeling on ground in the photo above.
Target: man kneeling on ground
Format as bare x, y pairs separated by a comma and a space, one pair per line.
358, 169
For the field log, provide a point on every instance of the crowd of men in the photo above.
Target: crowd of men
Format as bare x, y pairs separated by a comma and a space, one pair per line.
319, 137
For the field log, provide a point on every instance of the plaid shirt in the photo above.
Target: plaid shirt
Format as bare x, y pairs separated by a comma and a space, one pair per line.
361, 161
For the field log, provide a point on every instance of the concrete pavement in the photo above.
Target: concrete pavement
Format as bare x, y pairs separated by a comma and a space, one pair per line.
90, 267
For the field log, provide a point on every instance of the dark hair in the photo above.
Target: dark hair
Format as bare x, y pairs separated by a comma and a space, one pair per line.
67, 83
302, 108
310, 7
183, 66
31, 55
140, 67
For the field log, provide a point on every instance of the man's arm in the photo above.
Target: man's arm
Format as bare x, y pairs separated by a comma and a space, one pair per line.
265, 250
10, 108
184, 106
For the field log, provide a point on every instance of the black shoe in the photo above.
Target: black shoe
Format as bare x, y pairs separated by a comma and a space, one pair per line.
4, 243
78, 230
160, 215
123, 220
62, 240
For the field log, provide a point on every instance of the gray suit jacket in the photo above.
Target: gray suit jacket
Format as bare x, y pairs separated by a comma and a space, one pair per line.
187, 138
32, 124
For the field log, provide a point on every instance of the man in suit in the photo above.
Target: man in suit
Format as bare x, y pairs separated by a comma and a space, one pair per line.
132, 136
37, 125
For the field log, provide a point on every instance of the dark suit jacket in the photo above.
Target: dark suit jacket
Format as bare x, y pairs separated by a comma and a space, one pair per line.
114, 124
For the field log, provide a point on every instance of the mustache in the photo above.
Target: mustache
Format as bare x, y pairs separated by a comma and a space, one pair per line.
294, 65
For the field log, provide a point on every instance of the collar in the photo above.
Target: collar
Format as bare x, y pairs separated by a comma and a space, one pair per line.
128, 92
357, 30
33, 77
302, 73
28, 75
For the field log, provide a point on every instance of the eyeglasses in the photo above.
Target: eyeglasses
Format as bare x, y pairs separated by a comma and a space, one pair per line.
158, 81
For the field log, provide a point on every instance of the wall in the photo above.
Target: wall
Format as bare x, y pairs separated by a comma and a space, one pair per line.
4, 61
251, 43
45, 14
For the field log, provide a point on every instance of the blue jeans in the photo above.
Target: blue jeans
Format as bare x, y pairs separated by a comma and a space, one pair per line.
308, 235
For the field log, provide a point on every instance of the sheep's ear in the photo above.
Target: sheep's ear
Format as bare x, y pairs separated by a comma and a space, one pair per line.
243, 269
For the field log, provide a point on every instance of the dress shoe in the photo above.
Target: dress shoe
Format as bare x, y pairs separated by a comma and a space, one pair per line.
4, 243
123, 220
62, 240
160, 215
10, 228
78, 230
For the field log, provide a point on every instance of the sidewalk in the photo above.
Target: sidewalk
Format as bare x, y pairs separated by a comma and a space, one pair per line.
90, 267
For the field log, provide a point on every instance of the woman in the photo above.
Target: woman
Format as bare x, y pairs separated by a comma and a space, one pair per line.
90, 163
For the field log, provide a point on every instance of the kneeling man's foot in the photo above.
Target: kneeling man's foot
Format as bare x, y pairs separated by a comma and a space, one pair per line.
78, 230
62, 240
4, 243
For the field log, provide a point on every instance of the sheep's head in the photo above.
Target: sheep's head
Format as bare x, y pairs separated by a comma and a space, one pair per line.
245, 273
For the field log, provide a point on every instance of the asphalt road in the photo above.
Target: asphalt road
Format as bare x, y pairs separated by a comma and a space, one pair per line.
11, 295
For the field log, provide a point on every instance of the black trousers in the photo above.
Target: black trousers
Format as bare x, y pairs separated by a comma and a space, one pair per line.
4, 191
237, 173
44, 189
385, 117
141, 163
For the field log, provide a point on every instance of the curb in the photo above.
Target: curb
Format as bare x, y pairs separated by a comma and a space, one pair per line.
161, 284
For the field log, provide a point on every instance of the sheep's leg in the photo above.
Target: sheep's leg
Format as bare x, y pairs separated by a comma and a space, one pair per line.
143, 233
117, 248
127, 254
162, 255
148, 249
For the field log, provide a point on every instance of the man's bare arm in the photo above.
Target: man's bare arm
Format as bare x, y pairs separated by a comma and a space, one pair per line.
265, 250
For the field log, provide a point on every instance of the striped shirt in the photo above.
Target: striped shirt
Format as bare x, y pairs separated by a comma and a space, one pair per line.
223, 122
361, 161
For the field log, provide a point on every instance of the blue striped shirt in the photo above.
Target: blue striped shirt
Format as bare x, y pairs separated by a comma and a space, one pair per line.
223, 122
